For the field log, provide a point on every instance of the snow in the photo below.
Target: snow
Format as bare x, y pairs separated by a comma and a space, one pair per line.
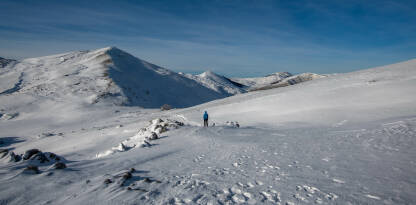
216, 82
262, 81
107, 75
343, 139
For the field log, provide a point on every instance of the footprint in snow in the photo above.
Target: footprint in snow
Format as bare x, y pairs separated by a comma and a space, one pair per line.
339, 181
259, 182
199, 158
271, 195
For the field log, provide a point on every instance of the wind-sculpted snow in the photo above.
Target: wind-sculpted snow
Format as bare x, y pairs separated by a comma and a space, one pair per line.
343, 139
144, 137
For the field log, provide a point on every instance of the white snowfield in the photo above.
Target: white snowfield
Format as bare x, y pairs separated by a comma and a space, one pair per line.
343, 139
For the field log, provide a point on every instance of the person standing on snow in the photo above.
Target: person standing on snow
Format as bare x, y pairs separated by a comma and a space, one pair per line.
205, 119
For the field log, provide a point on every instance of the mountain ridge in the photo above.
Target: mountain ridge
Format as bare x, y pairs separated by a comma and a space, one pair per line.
111, 75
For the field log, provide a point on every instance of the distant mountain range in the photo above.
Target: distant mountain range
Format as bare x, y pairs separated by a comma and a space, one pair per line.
110, 75
4, 62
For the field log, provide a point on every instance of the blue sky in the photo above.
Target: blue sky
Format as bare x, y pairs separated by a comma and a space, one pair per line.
235, 38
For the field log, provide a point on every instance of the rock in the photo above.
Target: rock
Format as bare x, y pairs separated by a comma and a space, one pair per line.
14, 157
59, 165
156, 121
127, 175
152, 136
3, 152
146, 144
31, 169
53, 156
165, 107
41, 157
30, 153
108, 181
160, 129
179, 123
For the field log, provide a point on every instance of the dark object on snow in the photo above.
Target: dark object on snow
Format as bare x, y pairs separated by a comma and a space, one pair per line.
205, 119
132, 170
14, 157
137, 189
165, 107
41, 157
30, 153
3, 152
54, 156
147, 180
162, 128
147, 144
59, 165
237, 125
127, 175
32, 168
153, 136
108, 181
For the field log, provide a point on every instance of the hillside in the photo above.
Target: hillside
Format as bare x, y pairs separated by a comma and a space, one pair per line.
107, 75
291, 80
343, 139
217, 82
253, 83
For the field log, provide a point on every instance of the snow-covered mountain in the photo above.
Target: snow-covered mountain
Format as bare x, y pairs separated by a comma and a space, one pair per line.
343, 139
110, 75
291, 80
4, 62
220, 84
103, 75
253, 83
232, 86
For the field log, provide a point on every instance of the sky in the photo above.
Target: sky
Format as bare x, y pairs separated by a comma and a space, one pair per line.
237, 38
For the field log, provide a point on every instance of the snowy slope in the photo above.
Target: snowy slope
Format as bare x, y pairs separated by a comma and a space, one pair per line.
262, 81
292, 80
344, 139
216, 82
352, 97
233, 86
103, 75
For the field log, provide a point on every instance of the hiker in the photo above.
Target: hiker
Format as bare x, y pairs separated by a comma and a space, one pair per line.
205, 119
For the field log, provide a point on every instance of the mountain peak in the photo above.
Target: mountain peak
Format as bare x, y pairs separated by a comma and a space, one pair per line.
209, 73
